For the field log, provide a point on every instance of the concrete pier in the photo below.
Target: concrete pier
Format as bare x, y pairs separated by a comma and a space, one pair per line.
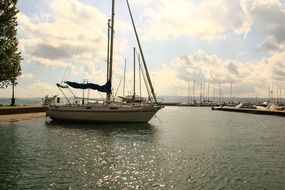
6, 110
248, 110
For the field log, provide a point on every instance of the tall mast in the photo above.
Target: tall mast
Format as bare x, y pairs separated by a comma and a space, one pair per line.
108, 50
193, 96
220, 93
201, 88
111, 49
281, 100
188, 91
124, 78
134, 73
214, 91
140, 76
277, 95
231, 91
142, 55
268, 93
208, 98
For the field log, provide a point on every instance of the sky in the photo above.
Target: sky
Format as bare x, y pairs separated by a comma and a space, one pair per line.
214, 42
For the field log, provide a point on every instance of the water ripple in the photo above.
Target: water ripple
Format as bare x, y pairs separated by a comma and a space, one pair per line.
193, 148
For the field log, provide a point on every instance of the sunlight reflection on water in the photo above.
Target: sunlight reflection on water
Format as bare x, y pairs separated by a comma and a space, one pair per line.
189, 148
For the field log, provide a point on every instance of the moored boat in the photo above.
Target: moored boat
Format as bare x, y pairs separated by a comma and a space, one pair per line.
247, 108
109, 110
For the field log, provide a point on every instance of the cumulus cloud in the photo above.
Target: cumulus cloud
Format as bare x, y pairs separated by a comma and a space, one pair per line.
37, 89
207, 20
233, 68
270, 44
71, 36
26, 75
62, 39
268, 16
249, 79
74, 31
217, 19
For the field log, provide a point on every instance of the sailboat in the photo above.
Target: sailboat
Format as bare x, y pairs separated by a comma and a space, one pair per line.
109, 110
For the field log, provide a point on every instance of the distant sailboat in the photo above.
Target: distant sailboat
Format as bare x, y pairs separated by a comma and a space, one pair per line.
109, 110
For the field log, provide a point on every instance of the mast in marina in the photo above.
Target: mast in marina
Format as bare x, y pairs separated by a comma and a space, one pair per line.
142, 55
134, 73
124, 78
193, 95
231, 91
111, 49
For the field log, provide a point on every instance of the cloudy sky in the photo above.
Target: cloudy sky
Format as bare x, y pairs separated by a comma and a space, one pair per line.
210, 41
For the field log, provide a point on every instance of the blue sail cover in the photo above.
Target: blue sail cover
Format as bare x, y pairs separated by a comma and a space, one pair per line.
104, 88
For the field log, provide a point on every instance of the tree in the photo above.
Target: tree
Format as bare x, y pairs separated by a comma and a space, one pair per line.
10, 57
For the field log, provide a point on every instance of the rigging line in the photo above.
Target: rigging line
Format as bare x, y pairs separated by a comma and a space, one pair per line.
146, 85
138, 56
64, 95
68, 67
68, 72
118, 88
140, 81
124, 84
65, 71
123, 77
142, 55
100, 94
71, 92
145, 81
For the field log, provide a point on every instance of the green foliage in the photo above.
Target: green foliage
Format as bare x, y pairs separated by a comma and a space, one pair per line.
47, 101
10, 57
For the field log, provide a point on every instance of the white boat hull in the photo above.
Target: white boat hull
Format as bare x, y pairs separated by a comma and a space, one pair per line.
103, 113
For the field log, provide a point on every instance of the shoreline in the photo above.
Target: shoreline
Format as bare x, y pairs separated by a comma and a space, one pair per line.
21, 116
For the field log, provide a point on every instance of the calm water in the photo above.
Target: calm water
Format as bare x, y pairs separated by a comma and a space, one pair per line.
22, 101
184, 148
